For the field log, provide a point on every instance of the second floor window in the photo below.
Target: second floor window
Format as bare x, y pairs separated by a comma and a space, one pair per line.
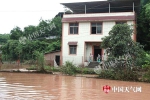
73, 28
96, 28
121, 22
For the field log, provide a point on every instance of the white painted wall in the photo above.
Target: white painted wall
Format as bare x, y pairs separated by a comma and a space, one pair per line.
84, 35
99, 14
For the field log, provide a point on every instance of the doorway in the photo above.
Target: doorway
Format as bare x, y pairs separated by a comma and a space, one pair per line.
97, 51
57, 59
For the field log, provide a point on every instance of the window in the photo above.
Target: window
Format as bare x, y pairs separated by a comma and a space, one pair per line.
121, 22
72, 49
73, 28
96, 28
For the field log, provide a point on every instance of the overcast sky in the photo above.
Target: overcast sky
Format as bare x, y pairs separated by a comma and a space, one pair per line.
22, 13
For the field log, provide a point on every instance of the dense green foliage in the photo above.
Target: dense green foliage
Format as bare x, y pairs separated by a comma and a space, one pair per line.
143, 25
4, 38
126, 74
40, 61
123, 53
146, 76
15, 33
84, 70
37, 38
68, 68
120, 44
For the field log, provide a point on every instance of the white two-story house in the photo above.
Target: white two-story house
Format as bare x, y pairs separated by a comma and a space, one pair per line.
82, 31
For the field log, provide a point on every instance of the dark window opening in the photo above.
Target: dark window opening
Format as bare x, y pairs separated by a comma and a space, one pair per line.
96, 28
93, 30
73, 28
72, 49
121, 22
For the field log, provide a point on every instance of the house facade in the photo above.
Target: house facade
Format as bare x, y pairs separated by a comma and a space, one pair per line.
82, 31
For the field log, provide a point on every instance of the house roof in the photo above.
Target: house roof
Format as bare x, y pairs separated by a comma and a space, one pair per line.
103, 6
53, 52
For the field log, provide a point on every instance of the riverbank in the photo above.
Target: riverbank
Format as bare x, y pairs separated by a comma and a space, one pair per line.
54, 73
24, 69
135, 76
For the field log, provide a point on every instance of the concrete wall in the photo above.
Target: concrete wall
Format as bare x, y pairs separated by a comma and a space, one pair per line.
98, 14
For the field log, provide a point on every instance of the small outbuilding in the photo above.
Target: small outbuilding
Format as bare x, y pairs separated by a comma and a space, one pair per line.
53, 58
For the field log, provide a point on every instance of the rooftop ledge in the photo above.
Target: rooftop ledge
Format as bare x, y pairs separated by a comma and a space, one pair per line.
119, 16
99, 14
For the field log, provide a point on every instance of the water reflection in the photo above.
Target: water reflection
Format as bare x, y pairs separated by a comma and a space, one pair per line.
25, 86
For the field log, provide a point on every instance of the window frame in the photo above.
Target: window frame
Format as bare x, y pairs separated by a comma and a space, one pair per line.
101, 23
74, 48
73, 28
121, 22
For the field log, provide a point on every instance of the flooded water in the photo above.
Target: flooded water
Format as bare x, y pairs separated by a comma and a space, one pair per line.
29, 86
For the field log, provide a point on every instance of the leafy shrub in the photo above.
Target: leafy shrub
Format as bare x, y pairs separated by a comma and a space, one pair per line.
33, 67
28, 62
47, 68
146, 76
84, 70
40, 61
69, 68
146, 64
119, 74
88, 71
126, 74
108, 74
55, 69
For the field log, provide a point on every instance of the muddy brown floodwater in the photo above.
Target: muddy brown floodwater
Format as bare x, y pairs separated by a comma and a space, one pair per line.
31, 86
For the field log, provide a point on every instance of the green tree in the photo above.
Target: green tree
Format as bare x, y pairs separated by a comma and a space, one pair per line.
119, 43
143, 25
53, 46
16, 33
57, 30
29, 30
143, 2
9, 50
14, 50
50, 27
40, 61
4, 38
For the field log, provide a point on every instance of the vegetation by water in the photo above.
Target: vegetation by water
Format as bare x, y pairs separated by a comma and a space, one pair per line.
68, 68
39, 38
125, 74
71, 69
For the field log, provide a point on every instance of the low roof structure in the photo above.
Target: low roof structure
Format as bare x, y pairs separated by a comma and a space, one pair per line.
104, 6
53, 52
